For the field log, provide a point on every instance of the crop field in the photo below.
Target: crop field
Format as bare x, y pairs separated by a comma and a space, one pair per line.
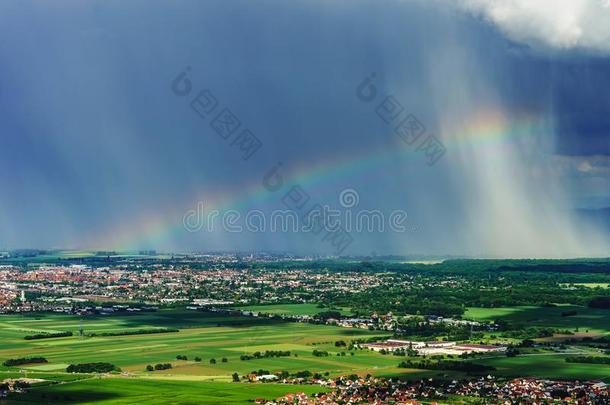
551, 365
205, 335
127, 391
586, 319
214, 336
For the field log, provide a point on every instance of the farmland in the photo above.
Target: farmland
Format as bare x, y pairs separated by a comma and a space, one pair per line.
127, 391
584, 319
203, 335
548, 365
213, 336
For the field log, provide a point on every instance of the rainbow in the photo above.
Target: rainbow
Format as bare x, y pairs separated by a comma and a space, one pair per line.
493, 128
155, 228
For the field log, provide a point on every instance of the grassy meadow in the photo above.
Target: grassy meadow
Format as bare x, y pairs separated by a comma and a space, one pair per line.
549, 365
214, 336
117, 391
204, 335
586, 319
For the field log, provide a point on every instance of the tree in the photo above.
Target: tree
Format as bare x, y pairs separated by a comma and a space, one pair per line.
325, 315
224, 360
235, 377
319, 353
303, 374
197, 359
92, 368
149, 368
163, 366
212, 361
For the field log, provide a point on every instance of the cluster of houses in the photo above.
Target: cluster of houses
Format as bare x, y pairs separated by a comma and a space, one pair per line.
518, 391
129, 280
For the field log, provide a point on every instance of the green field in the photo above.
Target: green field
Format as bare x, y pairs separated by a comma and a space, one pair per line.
206, 335
211, 335
128, 391
591, 319
551, 365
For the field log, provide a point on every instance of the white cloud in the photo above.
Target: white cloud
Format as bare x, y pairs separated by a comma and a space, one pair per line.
563, 24
582, 165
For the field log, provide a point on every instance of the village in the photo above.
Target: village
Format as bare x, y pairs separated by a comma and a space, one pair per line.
378, 391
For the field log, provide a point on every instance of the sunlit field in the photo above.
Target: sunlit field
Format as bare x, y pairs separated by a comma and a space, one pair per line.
547, 366
126, 391
585, 320
201, 335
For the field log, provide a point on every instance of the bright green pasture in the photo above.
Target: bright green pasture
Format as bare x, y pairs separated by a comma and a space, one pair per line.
550, 365
128, 391
290, 309
592, 319
204, 335
490, 314
48, 376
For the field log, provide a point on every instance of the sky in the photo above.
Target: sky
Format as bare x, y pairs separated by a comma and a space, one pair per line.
102, 146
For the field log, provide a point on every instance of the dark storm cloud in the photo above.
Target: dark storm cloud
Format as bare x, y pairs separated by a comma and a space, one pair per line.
581, 102
93, 139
